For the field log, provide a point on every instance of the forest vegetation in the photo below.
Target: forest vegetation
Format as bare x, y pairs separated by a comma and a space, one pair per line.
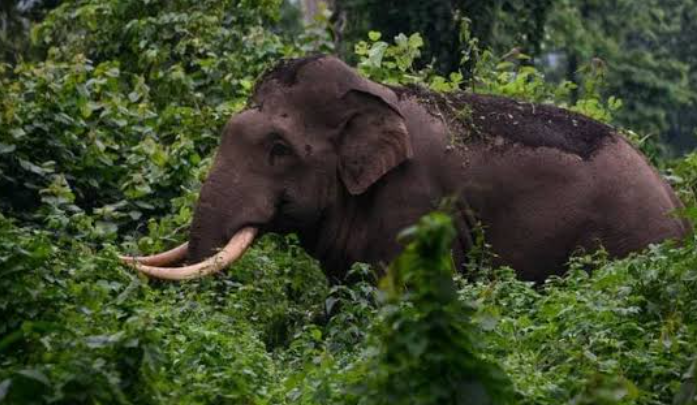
111, 110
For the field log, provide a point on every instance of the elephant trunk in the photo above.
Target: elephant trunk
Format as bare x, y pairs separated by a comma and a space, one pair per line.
209, 232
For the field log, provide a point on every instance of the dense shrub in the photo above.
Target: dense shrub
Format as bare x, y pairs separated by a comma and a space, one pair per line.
122, 116
425, 332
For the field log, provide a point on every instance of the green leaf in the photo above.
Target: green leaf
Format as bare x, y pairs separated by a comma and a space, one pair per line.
374, 36
35, 375
5, 148
31, 167
415, 41
17, 133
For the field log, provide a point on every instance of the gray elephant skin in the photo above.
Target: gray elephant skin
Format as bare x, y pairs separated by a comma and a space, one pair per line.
347, 163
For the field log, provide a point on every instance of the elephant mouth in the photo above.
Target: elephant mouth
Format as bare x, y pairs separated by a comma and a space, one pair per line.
156, 266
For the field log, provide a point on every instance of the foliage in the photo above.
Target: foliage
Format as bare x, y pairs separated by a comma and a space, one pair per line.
15, 19
80, 328
497, 24
126, 108
647, 48
649, 58
508, 75
614, 332
115, 128
427, 352
393, 64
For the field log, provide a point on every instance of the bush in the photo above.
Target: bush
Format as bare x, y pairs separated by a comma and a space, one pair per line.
120, 119
427, 352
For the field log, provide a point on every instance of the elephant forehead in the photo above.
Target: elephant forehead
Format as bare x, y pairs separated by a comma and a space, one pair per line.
310, 89
308, 107
316, 73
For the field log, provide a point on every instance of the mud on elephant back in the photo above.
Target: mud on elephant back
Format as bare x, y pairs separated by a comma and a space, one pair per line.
346, 163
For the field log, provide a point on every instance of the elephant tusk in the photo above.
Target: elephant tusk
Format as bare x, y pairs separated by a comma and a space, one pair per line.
161, 259
230, 253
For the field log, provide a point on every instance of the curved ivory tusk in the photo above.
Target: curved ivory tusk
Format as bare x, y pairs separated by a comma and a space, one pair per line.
231, 252
161, 259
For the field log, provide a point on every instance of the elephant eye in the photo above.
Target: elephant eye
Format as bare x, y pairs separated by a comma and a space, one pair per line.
278, 151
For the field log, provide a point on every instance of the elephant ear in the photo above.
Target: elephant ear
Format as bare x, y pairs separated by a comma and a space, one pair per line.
373, 141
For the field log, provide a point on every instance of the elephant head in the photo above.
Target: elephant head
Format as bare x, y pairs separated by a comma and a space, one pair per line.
314, 131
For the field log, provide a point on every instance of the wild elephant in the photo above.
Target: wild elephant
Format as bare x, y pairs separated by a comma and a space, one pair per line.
346, 163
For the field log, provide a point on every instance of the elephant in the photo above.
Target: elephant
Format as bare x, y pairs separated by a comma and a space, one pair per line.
347, 163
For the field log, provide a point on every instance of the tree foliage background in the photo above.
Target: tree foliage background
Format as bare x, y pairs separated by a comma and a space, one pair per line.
646, 48
110, 111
